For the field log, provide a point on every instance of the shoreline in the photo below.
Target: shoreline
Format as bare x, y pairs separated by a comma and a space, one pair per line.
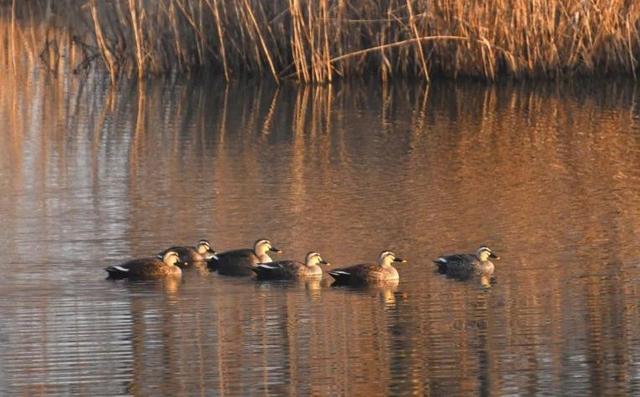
321, 42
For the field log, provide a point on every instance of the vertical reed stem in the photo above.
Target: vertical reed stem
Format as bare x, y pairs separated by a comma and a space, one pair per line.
13, 35
265, 49
219, 28
106, 53
137, 35
416, 34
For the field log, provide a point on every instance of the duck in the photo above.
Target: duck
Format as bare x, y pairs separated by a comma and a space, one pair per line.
147, 268
465, 266
201, 253
288, 270
240, 262
369, 273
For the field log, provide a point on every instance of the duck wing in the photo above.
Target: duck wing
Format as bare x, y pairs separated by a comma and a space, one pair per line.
355, 274
460, 265
234, 263
135, 268
278, 270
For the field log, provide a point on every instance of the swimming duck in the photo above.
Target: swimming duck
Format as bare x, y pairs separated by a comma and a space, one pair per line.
147, 267
201, 253
369, 273
464, 266
286, 270
240, 262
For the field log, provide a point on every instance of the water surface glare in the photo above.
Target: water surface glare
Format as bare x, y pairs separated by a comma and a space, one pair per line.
548, 176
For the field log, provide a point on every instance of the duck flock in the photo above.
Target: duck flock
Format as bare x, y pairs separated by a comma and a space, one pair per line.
246, 262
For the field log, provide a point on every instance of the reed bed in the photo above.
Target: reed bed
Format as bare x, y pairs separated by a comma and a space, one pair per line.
318, 41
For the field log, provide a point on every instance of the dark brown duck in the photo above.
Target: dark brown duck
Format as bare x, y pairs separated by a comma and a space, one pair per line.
146, 268
240, 262
369, 273
189, 256
465, 266
289, 270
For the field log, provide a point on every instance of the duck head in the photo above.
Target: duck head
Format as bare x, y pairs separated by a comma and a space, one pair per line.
204, 248
484, 253
386, 258
262, 246
313, 259
171, 258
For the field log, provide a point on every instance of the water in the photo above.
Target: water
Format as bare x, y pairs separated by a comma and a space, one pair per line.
547, 175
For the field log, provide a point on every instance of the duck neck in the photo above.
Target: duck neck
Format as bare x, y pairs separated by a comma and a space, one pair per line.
264, 258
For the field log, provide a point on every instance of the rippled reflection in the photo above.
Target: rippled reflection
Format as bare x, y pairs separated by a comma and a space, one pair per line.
548, 175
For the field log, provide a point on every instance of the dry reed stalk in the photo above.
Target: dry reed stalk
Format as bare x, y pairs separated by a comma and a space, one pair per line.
326, 52
106, 53
219, 29
385, 64
201, 44
262, 43
297, 43
632, 59
396, 44
197, 30
137, 35
414, 29
317, 39
12, 36
177, 41
316, 62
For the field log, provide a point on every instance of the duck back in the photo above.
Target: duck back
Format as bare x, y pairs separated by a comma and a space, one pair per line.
460, 266
142, 268
286, 270
235, 263
366, 273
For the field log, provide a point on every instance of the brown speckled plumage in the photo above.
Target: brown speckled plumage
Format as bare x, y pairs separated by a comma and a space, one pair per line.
287, 270
146, 268
465, 266
240, 262
369, 273
190, 256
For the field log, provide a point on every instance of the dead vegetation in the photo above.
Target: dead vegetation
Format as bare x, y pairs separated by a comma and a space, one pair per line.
321, 40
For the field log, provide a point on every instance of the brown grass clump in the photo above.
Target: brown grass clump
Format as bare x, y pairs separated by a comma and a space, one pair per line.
318, 41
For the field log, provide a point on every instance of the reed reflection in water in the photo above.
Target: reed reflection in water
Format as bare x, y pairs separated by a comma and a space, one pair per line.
548, 176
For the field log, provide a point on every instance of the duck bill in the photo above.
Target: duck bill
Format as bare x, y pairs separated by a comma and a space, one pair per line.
323, 262
274, 249
400, 260
493, 256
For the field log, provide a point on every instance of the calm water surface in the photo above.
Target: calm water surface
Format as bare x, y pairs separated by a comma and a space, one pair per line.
549, 176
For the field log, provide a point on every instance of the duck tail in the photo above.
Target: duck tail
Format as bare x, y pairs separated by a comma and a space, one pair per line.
213, 263
265, 270
340, 276
441, 263
116, 272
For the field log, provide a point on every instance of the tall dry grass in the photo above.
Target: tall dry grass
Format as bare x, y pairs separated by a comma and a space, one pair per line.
320, 40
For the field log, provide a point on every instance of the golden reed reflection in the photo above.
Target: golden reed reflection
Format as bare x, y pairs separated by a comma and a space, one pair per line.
549, 175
